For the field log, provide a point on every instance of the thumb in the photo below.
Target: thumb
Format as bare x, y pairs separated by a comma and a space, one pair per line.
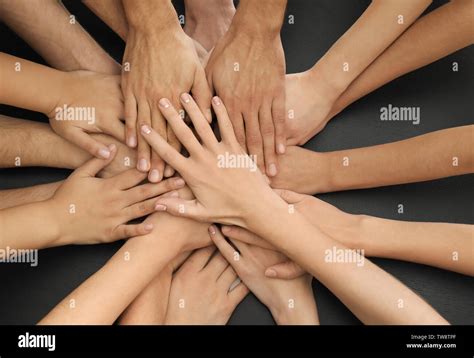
95, 165
202, 93
287, 270
181, 207
86, 142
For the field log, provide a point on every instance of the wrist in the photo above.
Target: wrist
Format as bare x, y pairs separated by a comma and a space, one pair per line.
259, 19
50, 222
297, 310
150, 17
327, 78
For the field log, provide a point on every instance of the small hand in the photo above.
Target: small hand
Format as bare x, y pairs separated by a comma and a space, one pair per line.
91, 103
200, 290
290, 301
94, 210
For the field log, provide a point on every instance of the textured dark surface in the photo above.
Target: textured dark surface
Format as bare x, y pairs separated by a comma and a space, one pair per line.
27, 294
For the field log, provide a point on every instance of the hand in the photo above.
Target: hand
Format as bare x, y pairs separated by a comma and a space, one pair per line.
92, 210
162, 64
304, 171
192, 234
290, 301
207, 171
200, 290
309, 100
248, 73
91, 103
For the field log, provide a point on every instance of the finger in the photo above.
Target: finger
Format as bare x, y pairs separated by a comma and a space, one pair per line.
201, 126
199, 258
116, 129
180, 207
238, 293
225, 125
268, 136
287, 270
146, 191
126, 231
279, 121
128, 179
143, 149
95, 165
130, 109
254, 140
289, 196
169, 171
237, 233
141, 209
86, 142
216, 265
202, 94
226, 249
238, 126
174, 142
227, 277
157, 165
180, 129
164, 150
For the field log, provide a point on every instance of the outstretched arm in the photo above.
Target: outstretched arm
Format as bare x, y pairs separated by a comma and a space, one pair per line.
435, 155
48, 28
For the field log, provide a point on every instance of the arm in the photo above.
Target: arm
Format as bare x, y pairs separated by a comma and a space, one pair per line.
246, 69
32, 194
436, 35
129, 272
312, 94
159, 61
435, 155
112, 13
45, 25
70, 217
239, 196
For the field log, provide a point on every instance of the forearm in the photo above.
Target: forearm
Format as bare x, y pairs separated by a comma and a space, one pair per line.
27, 143
112, 13
46, 26
436, 35
14, 197
264, 17
106, 294
298, 309
150, 16
149, 308
28, 85
373, 295
29, 226
430, 156
345, 60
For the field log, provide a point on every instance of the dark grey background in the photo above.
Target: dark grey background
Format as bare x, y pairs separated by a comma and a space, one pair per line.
27, 294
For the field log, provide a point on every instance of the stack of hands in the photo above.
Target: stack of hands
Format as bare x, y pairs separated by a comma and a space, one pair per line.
191, 154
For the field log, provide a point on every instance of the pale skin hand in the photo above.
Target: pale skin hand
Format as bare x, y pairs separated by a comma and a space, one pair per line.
200, 290
46, 26
312, 94
39, 88
435, 155
85, 209
160, 60
290, 301
246, 69
443, 245
107, 293
228, 196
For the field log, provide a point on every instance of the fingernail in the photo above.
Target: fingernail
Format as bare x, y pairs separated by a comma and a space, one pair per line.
212, 230
216, 100
270, 273
168, 172
164, 103
145, 129
104, 153
179, 182
132, 141
148, 227
272, 170
160, 207
185, 98
281, 149
154, 176
142, 165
